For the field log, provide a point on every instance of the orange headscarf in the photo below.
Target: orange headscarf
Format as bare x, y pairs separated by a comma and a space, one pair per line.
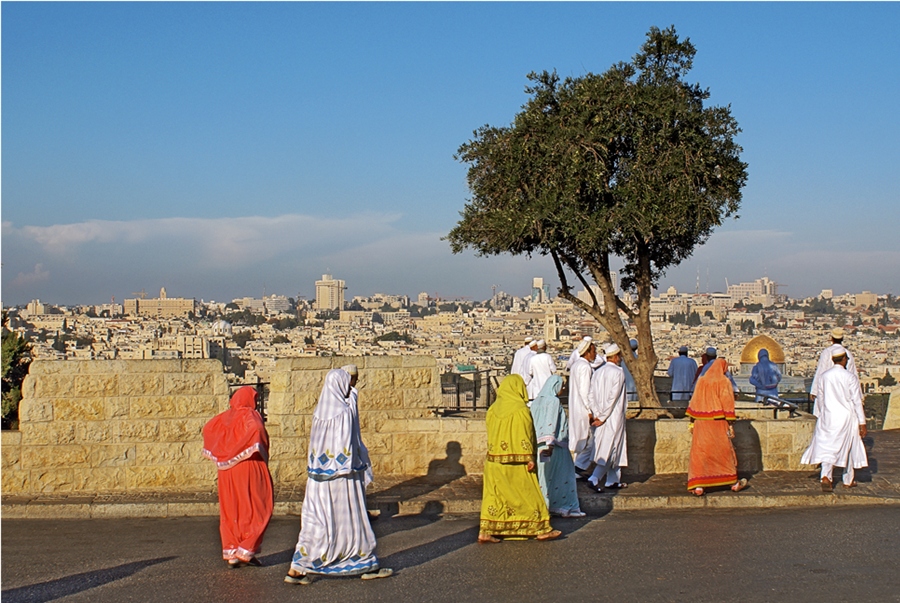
713, 395
237, 433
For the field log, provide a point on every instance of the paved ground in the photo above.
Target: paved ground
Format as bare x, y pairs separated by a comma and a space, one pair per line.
748, 555
450, 493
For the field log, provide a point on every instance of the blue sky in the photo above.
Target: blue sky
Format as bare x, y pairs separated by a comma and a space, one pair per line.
225, 149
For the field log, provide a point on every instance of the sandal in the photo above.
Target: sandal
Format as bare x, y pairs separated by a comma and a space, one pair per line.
697, 491
301, 579
617, 486
827, 486
382, 573
551, 535
852, 484
740, 485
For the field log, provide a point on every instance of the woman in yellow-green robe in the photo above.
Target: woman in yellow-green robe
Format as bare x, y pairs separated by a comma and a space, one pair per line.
512, 504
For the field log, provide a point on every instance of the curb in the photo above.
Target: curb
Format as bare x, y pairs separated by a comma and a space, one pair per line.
595, 506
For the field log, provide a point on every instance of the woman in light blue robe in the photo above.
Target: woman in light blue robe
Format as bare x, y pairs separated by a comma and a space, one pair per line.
765, 377
555, 469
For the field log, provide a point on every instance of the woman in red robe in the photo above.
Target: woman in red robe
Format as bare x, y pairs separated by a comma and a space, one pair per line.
711, 410
236, 440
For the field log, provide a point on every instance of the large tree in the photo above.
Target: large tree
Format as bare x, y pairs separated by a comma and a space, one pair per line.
627, 164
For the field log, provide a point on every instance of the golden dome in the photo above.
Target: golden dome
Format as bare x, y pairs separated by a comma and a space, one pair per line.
750, 354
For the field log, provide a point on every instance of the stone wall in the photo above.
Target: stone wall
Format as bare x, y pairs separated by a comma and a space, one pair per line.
892, 416
761, 444
130, 426
396, 395
113, 426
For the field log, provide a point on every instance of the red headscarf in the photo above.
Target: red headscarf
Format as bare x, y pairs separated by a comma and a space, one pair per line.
713, 395
237, 433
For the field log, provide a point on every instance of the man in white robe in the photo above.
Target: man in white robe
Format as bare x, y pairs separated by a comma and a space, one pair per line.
540, 367
608, 405
825, 363
580, 443
521, 357
840, 424
682, 370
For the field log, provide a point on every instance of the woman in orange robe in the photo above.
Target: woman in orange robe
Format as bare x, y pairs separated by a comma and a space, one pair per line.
236, 440
711, 410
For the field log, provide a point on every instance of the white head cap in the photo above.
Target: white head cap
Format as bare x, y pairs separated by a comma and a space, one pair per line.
583, 346
350, 369
528, 340
541, 344
838, 351
611, 350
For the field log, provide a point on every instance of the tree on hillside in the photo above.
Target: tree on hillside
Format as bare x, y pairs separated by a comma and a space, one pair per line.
627, 164
16, 360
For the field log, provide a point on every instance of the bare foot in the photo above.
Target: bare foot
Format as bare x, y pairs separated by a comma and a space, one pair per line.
487, 539
551, 535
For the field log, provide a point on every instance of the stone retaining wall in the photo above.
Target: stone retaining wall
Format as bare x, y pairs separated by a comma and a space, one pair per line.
132, 426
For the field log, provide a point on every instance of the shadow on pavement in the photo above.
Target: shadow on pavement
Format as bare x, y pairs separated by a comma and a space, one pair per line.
424, 553
70, 585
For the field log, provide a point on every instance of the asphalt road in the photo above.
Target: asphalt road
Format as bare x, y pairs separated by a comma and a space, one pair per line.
796, 555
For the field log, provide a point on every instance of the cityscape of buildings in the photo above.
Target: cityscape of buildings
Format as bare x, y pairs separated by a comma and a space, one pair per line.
249, 334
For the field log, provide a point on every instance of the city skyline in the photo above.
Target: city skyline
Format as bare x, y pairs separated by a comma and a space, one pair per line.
220, 150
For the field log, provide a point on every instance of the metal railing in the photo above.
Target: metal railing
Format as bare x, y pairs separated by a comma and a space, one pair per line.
468, 392
262, 395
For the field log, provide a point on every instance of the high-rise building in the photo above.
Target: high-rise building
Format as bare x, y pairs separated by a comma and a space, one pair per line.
329, 293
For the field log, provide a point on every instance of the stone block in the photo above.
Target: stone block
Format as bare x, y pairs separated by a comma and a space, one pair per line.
53, 386
136, 431
418, 361
180, 384
433, 425
196, 406
371, 421
99, 367
56, 432
93, 432
381, 399
476, 425
167, 477
150, 407
309, 363
193, 509
288, 449
28, 387
421, 398
113, 455
14, 481
117, 408
779, 443
394, 426
305, 402
150, 366
167, 453
79, 409
412, 444
892, 415
201, 365
287, 473
413, 378
68, 511
380, 443
11, 448
129, 510
379, 379
100, 479
295, 426
383, 362
280, 382
279, 403
288, 507
95, 386
52, 480
50, 367
776, 462
181, 430
671, 463
33, 410
307, 381
141, 384
39, 457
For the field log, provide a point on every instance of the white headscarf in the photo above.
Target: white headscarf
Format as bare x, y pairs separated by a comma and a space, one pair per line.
334, 448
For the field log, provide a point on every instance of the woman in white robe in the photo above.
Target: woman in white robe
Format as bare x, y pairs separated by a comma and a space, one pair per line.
336, 538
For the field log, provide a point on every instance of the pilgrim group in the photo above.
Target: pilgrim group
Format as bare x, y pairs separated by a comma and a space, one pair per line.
535, 450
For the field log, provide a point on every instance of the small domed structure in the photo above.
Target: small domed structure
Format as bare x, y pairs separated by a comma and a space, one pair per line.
750, 353
222, 328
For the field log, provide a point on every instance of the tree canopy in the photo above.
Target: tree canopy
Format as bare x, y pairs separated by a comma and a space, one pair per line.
627, 164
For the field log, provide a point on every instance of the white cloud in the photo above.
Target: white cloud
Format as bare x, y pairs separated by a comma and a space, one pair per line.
39, 275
